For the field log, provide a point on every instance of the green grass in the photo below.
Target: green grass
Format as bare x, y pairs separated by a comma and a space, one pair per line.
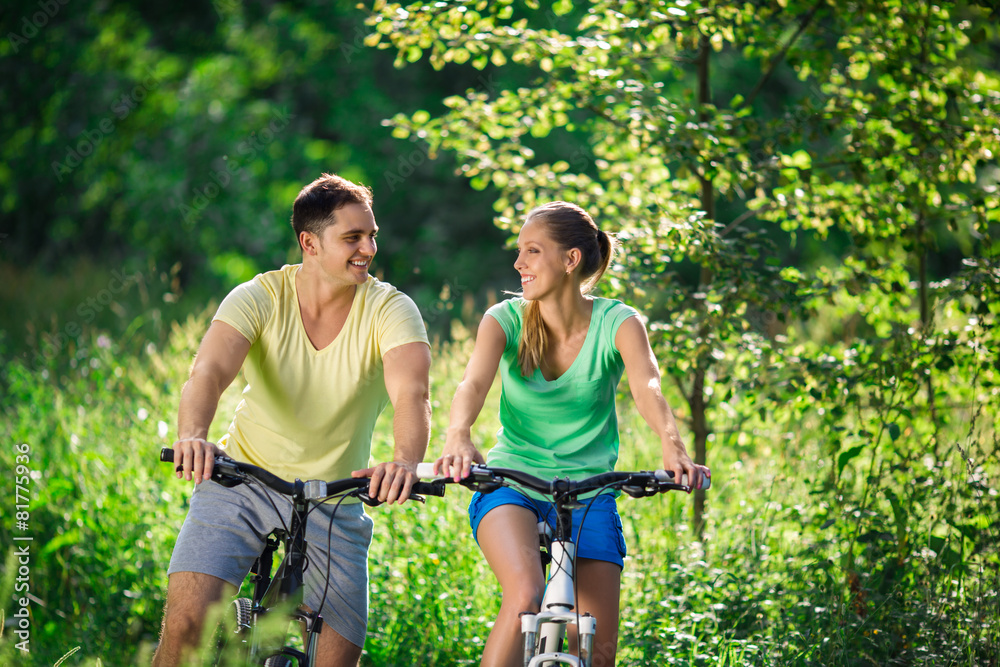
898, 569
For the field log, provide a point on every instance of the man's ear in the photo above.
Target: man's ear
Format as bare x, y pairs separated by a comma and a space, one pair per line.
308, 242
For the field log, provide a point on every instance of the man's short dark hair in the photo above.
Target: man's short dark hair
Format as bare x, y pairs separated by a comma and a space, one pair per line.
314, 208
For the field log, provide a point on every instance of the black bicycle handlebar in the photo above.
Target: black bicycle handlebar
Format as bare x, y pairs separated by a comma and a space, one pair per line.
229, 472
636, 484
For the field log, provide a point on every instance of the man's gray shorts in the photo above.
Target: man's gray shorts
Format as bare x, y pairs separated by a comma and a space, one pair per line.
226, 528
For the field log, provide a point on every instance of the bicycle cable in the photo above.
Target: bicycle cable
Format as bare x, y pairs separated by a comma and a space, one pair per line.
550, 506
251, 480
329, 541
576, 579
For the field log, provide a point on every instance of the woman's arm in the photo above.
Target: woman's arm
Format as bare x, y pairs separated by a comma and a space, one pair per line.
459, 451
644, 378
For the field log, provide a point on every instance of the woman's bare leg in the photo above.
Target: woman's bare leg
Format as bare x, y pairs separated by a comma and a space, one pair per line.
508, 536
599, 588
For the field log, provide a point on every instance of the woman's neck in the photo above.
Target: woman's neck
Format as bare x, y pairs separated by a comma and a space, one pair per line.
566, 315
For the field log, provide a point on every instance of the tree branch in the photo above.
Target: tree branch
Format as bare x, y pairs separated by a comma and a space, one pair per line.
747, 214
781, 54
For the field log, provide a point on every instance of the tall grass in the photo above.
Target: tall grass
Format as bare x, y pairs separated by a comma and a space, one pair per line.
780, 576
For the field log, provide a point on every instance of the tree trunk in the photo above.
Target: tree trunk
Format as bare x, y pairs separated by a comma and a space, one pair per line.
697, 400
699, 426
926, 319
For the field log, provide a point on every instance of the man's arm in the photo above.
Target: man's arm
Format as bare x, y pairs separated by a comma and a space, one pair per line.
219, 359
406, 369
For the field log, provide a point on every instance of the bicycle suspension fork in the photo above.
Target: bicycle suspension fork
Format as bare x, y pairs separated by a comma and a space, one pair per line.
545, 630
287, 584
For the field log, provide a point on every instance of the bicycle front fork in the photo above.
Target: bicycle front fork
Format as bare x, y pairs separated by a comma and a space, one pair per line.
557, 612
529, 627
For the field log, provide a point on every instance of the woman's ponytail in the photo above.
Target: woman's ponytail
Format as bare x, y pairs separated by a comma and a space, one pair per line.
571, 227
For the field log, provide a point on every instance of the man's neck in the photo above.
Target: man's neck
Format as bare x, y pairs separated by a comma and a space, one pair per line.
318, 294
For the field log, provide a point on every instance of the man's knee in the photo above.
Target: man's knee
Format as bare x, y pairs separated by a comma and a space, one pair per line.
189, 597
335, 650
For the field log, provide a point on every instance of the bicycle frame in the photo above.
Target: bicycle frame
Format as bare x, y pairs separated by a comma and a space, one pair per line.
285, 587
545, 631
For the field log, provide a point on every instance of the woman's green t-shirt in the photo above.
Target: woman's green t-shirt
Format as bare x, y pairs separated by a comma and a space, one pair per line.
567, 427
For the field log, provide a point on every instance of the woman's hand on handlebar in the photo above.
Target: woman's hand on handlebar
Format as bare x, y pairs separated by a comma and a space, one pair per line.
458, 457
680, 464
194, 459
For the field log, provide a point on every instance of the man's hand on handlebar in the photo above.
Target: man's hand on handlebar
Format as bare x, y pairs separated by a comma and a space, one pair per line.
194, 459
391, 482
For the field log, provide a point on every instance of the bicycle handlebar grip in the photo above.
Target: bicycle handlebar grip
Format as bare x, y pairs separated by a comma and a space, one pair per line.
426, 470
427, 489
667, 476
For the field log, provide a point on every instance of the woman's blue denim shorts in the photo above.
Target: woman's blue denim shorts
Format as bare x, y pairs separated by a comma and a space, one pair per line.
600, 539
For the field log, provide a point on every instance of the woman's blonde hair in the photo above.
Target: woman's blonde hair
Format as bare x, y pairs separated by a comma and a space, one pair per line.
571, 227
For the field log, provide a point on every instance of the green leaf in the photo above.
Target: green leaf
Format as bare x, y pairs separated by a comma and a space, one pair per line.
893, 431
64, 539
799, 159
562, 7
858, 70
846, 457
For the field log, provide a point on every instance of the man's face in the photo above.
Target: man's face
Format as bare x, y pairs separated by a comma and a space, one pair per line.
346, 248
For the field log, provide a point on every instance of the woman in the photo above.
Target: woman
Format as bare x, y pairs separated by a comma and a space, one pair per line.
561, 355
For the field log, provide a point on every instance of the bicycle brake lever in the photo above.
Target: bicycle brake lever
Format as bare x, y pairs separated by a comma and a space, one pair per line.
638, 491
228, 482
225, 472
485, 487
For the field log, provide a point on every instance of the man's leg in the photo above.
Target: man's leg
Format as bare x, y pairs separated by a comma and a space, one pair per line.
338, 576
336, 651
189, 595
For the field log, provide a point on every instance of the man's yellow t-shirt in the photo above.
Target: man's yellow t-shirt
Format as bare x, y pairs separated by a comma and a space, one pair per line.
308, 413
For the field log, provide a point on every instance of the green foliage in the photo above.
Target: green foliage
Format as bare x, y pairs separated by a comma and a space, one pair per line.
890, 558
181, 135
864, 135
806, 193
96, 507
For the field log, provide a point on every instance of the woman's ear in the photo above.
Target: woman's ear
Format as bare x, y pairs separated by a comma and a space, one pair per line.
573, 257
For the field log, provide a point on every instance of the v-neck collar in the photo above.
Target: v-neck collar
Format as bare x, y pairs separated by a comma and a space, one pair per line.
302, 325
587, 344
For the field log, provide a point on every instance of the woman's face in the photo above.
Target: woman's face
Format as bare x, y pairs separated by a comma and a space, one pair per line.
542, 263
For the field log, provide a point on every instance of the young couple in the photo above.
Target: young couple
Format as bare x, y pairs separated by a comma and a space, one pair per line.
324, 347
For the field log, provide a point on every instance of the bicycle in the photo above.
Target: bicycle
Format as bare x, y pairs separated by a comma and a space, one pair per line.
543, 632
282, 588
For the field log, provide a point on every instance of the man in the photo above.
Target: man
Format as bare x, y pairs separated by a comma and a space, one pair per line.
323, 346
